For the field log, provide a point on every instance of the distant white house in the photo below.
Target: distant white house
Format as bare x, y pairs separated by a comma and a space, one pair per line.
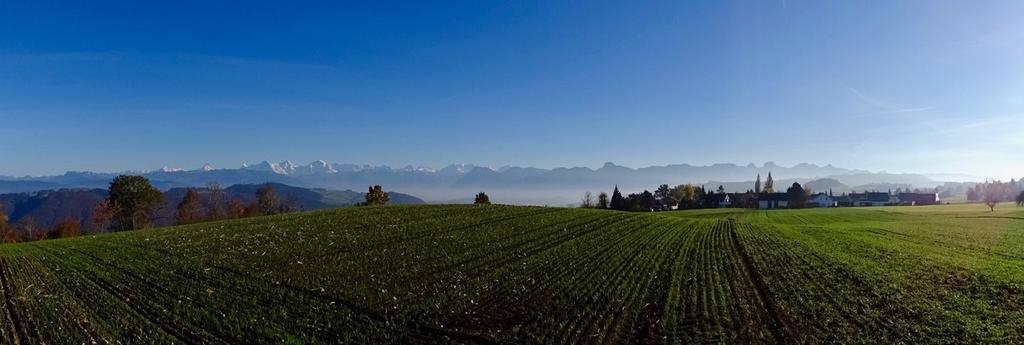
725, 202
821, 200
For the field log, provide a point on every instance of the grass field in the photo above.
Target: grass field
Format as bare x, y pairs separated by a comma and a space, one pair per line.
531, 275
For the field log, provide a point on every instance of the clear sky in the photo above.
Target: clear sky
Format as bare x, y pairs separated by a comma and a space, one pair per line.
902, 86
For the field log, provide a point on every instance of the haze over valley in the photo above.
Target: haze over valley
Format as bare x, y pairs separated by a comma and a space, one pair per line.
457, 183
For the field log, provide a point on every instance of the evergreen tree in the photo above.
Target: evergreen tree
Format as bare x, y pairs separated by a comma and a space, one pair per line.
647, 201
631, 202
797, 196
377, 196
662, 192
617, 203
757, 184
134, 201
481, 199
769, 184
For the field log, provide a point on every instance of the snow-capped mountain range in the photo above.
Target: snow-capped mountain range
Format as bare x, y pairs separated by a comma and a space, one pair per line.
458, 181
321, 167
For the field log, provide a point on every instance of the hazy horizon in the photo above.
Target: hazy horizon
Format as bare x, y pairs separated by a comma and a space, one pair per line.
903, 87
764, 165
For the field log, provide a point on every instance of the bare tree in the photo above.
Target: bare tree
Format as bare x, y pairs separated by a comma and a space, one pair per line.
588, 201
267, 200
6, 233
69, 227
217, 206
237, 209
103, 215
602, 200
993, 193
27, 225
188, 208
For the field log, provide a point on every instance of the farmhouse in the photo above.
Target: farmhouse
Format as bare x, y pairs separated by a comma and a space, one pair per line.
773, 200
720, 200
871, 199
821, 200
843, 200
912, 199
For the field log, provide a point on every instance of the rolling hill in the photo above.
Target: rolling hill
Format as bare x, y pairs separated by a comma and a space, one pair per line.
49, 207
465, 274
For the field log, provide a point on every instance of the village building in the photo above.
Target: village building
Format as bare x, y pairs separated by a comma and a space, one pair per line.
821, 200
872, 199
773, 200
843, 200
917, 199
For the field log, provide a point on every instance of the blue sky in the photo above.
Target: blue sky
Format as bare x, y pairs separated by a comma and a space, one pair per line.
907, 86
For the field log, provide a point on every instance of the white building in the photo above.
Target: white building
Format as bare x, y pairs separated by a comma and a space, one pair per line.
821, 200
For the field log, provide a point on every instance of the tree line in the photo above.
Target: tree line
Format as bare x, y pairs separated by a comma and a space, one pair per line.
688, 196
132, 203
994, 192
691, 196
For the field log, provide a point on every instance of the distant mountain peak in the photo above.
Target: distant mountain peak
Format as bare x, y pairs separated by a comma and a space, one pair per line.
320, 167
168, 169
460, 168
286, 168
207, 167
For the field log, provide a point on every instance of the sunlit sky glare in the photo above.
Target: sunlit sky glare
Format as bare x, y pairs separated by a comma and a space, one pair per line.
900, 86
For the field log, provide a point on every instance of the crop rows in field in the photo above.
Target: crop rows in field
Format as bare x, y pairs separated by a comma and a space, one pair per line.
868, 276
495, 274
470, 274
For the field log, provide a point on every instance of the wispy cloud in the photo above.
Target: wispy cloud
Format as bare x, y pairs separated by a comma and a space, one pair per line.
976, 125
880, 106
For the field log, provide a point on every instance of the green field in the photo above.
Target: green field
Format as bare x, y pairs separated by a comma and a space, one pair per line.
417, 274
